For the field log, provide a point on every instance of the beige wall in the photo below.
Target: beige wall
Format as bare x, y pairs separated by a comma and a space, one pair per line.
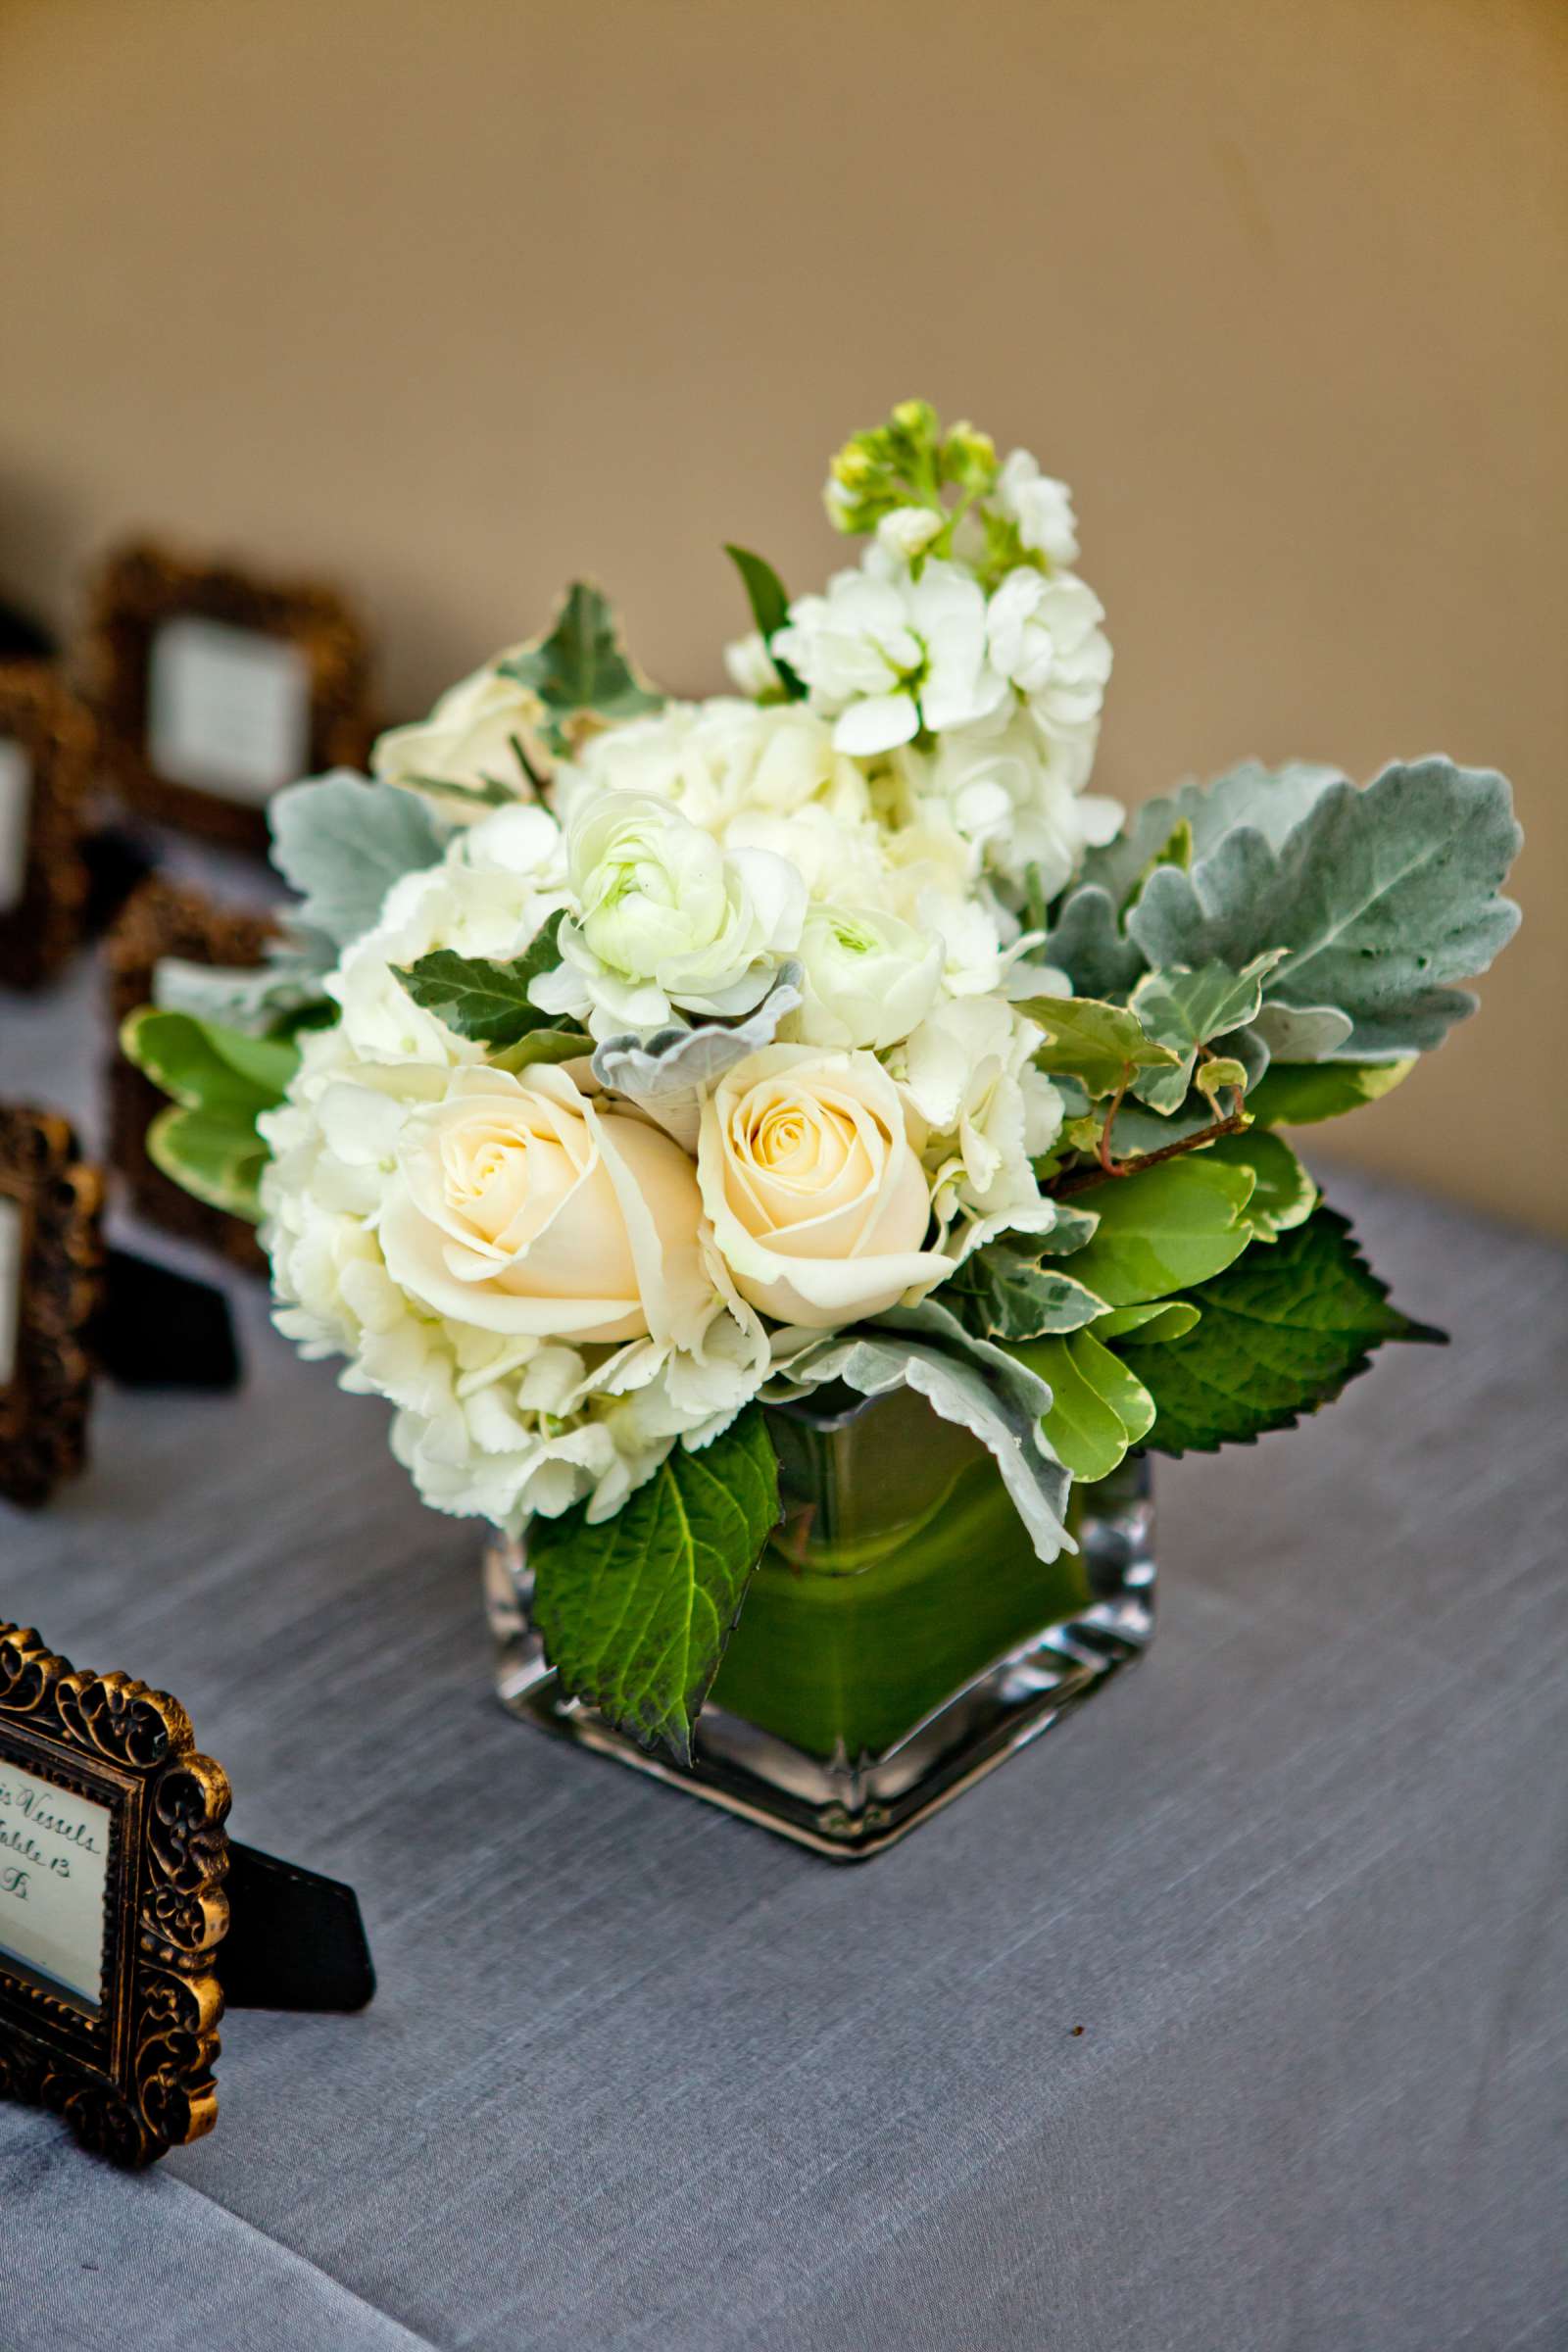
453, 297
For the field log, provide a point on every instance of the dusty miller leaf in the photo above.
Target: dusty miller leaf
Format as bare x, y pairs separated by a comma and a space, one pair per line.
667, 1074
342, 842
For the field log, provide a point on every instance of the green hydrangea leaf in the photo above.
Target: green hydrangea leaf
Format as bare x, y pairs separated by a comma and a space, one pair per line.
1000, 1293
1277, 1337
214, 1155
1098, 1407
1100, 1043
1283, 1194
342, 842
580, 669
1300, 1094
1164, 1229
1382, 898
206, 1066
1183, 1009
483, 1000
635, 1612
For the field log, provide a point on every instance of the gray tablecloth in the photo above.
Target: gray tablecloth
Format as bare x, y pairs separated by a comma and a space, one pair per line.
640, 2075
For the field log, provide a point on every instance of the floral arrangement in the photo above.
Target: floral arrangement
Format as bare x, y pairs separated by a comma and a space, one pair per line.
632, 1065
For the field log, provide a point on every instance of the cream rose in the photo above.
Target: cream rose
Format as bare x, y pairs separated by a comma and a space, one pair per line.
811, 1174
524, 1209
469, 741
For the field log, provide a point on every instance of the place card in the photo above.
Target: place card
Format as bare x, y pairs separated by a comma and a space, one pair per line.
51, 1294
128, 1918
45, 761
213, 687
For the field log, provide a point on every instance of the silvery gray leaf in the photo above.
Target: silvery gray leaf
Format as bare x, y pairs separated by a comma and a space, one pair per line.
1089, 945
1301, 1032
968, 1382
250, 998
1381, 897
667, 1073
1271, 799
342, 842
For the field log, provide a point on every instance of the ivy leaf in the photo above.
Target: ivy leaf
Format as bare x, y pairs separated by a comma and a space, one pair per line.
1283, 1194
1073, 1228
1381, 896
1300, 1094
342, 842
1212, 1077
1164, 1229
1277, 1338
635, 1612
581, 670
770, 607
214, 1155
480, 998
1183, 1009
1001, 1294
206, 1066
1098, 1043
1098, 1406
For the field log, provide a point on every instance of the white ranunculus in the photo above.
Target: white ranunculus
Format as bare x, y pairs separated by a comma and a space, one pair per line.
497, 885
522, 1208
967, 1071
1017, 795
884, 654
667, 919
720, 761
1044, 636
468, 740
808, 1163
869, 977
1041, 507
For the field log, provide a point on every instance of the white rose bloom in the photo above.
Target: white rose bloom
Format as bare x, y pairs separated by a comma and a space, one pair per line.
967, 1072
750, 666
885, 655
1040, 507
668, 920
870, 978
468, 739
808, 1163
1044, 636
719, 761
1018, 797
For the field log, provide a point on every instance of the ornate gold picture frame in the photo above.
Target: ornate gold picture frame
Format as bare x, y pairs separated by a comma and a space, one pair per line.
46, 741
167, 918
51, 1288
141, 590
99, 1775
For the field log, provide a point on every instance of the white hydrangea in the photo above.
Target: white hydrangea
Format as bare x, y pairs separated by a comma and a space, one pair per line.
968, 1069
1017, 796
721, 760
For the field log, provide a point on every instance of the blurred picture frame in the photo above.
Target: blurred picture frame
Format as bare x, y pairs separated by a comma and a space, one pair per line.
169, 919
213, 687
51, 1294
46, 750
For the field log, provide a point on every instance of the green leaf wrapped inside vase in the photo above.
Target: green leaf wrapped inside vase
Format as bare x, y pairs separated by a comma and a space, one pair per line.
220, 1081
635, 1612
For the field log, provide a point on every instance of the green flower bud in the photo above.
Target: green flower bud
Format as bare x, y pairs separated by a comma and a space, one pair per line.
969, 458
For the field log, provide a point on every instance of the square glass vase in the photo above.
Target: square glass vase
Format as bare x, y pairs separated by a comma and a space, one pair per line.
898, 1638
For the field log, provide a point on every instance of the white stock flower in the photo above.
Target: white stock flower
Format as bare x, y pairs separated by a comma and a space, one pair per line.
885, 655
468, 739
909, 531
750, 666
1041, 507
1017, 796
870, 978
1045, 638
808, 1163
667, 919
967, 1071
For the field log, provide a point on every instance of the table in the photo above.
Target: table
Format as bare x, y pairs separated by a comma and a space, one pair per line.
641, 2076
